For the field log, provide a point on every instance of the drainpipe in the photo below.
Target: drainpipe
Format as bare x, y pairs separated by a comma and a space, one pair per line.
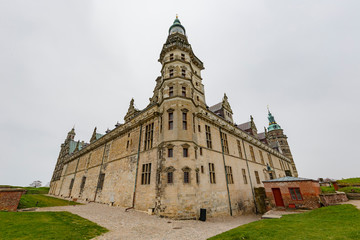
136, 171
227, 183
252, 189
102, 161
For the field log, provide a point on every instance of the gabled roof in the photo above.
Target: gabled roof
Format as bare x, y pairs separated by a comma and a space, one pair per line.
244, 126
216, 107
290, 179
261, 135
72, 146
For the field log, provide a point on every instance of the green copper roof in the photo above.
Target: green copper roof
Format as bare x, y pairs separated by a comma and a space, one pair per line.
272, 123
177, 27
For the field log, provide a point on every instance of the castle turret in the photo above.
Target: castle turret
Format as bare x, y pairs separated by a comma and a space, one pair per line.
278, 140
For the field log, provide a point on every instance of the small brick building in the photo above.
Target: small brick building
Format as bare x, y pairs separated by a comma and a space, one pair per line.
10, 198
292, 192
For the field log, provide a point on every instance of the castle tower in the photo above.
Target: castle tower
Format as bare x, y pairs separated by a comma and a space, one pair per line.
276, 136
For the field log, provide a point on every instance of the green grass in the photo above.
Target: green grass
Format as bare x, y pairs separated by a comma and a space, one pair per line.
340, 222
350, 189
30, 200
46, 225
30, 190
349, 181
327, 189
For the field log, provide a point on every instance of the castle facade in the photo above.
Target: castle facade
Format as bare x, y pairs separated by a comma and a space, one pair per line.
177, 155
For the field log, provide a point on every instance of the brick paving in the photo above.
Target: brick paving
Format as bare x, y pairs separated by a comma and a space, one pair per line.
139, 225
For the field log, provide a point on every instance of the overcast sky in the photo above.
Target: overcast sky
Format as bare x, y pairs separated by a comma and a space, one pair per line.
65, 63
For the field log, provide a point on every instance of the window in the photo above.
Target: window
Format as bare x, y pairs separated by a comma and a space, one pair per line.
281, 164
295, 194
184, 115
229, 175
252, 153
161, 124
171, 91
127, 144
199, 128
197, 98
239, 148
244, 176
270, 160
145, 176
194, 122
101, 181
171, 72
202, 169
82, 185
261, 157
224, 142
71, 184
171, 120
183, 57
149, 132
185, 152
257, 177
288, 173
208, 136
271, 175
183, 72
171, 56
170, 152
197, 177
186, 177
170, 177
183, 91
201, 151
212, 173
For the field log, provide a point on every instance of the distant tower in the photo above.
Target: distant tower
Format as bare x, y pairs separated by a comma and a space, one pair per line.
275, 135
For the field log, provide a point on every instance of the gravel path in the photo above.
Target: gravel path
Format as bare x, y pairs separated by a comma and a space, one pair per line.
356, 203
139, 225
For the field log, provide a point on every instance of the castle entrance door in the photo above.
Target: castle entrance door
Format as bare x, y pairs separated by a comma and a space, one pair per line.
278, 198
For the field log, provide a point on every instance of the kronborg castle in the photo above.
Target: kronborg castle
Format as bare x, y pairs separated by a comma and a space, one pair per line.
177, 155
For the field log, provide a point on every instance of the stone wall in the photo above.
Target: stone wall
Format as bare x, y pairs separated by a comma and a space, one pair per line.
10, 198
333, 199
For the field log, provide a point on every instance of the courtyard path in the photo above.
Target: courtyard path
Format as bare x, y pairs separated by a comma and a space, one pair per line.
140, 225
356, 203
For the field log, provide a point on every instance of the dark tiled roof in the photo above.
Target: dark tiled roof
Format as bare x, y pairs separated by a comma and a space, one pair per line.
244, 126
290, 179
261, 135
216, 107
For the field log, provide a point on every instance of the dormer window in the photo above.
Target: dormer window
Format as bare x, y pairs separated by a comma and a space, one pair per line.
171, 56
171, 73
183, 72
183, 57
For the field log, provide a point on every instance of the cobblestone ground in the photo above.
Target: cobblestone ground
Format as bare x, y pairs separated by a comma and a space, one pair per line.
140, 225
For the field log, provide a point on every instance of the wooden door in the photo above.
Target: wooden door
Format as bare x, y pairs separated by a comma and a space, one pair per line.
278, 198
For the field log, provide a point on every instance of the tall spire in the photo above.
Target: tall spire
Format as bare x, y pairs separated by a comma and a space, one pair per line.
177, 27
272, 123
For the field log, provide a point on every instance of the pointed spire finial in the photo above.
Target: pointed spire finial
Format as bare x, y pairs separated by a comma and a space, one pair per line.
268, 108
177, 16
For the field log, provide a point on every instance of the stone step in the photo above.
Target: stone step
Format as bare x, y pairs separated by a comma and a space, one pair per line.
269, 216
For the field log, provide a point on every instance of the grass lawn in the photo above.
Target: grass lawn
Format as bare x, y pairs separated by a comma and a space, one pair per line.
350, 181
327, 189
30, 200
333, 222
46, 225
350, 189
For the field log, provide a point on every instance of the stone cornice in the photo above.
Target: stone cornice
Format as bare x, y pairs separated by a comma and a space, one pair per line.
218, 121
144, 116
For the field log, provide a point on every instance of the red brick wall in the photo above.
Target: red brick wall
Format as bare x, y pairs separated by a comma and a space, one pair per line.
310, 191
9, 200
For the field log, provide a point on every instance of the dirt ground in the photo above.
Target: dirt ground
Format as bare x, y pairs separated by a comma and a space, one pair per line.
140, 225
